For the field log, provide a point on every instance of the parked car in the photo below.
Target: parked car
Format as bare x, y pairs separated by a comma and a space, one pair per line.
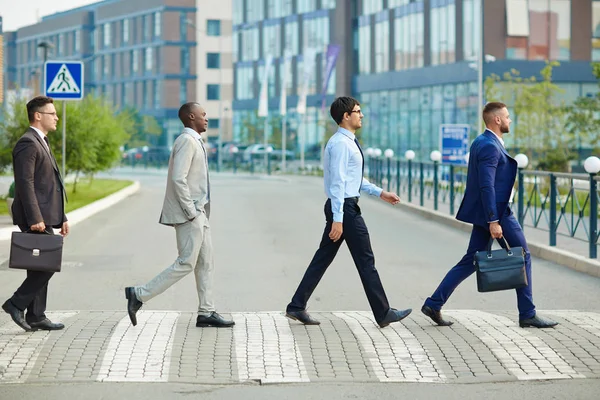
258, 150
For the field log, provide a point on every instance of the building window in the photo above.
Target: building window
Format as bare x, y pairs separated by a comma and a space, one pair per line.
146, 27
134, 60
185, 61
183, 92
250, 45
77, 41
443, 33
213, 27
254, 10
372, 6
125, 31
149, 59
106, 66
472, 24
213, 60
157, 24
61, 45
305, 6
213, 92
238, 12
409, 38
213, 123
156, 95
382, 43
538, 29
244, 82
272, 40
107, 34
291, 37
364, 49
596, 30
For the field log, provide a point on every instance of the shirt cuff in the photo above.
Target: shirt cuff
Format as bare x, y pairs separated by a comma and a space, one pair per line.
491, 222
377, 192
338, 217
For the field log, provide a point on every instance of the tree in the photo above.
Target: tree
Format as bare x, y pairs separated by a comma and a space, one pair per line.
583, 120
538, 114
94, 134
145, 127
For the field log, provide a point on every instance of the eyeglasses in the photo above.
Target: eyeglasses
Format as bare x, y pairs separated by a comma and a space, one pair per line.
49, 113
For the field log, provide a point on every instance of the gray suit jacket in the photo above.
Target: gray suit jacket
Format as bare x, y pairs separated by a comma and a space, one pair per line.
187, 182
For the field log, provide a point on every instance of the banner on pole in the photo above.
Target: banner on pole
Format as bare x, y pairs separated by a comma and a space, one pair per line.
308, 59
333, 51
263, 101
284, 80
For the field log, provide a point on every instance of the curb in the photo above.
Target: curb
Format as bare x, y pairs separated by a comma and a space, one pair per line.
548, 253
86, 211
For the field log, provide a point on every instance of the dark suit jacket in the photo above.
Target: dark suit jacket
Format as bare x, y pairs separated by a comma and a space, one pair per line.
490, 178
39, 190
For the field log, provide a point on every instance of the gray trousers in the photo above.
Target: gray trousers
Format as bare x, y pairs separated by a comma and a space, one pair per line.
194, 245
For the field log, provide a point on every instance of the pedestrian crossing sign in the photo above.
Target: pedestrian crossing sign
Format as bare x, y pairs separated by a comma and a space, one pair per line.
63, 80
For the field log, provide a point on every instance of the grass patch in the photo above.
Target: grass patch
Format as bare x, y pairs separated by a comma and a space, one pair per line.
88, 191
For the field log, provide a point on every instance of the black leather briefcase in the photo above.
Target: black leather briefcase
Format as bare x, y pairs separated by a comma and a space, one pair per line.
500, 269
36, 251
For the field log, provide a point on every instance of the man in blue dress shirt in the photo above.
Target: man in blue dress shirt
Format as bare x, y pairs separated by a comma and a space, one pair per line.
343, 172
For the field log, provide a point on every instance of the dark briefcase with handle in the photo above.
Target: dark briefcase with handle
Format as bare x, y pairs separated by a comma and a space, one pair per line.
36, 251
501, 269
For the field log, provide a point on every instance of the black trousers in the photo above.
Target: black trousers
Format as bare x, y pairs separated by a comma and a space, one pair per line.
356, 236
33, 292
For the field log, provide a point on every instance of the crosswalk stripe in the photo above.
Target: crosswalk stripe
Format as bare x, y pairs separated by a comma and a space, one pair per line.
19, 350
140, 353
266, 349
521, 352
395, 353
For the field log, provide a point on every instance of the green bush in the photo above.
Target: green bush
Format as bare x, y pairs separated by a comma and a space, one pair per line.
11, 190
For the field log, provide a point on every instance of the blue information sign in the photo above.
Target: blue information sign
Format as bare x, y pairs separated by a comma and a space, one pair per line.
454, 142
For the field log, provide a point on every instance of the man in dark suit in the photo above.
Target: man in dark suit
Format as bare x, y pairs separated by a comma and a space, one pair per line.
486, 204
38, 207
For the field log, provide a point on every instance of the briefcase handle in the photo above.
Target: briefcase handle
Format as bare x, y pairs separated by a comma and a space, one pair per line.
30, 231
489, 247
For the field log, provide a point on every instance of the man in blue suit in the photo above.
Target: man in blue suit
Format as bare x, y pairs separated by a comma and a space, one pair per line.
490, 180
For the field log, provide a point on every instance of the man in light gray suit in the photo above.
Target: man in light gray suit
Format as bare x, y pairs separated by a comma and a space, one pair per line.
187, 208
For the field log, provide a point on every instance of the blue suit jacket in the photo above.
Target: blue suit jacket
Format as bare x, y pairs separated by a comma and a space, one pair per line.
490, 178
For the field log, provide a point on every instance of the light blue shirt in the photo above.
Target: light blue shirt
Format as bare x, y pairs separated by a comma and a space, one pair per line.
343, 163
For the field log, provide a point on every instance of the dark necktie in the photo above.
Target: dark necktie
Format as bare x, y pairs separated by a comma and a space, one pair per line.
363, 162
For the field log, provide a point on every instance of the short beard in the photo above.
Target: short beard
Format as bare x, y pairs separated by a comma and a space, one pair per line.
504, 129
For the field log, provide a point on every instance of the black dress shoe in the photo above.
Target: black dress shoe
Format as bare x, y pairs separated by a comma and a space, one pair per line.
436, 316
46, 325
537, 322
17, 315
133, 304
394, 315
214, 320
302, 316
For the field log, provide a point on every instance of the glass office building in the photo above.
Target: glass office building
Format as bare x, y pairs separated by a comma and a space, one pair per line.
412, 63
417, 64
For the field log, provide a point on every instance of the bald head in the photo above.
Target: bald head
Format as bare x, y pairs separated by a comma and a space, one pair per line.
192, 115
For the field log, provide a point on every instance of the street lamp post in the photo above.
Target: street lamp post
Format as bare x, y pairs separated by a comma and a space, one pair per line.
46, 47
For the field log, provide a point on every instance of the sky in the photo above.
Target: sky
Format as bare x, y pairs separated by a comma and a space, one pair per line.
19, 13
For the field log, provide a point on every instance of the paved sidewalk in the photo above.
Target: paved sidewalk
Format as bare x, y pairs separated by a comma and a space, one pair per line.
266, 347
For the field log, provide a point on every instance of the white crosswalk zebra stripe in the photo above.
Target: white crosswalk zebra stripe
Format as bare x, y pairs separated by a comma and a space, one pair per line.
140, 353
521, 352
395, 353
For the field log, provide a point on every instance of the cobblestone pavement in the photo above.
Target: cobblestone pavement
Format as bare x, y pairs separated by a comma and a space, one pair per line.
266, 347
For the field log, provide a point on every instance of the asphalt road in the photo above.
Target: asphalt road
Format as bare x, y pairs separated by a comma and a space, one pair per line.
265, 232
